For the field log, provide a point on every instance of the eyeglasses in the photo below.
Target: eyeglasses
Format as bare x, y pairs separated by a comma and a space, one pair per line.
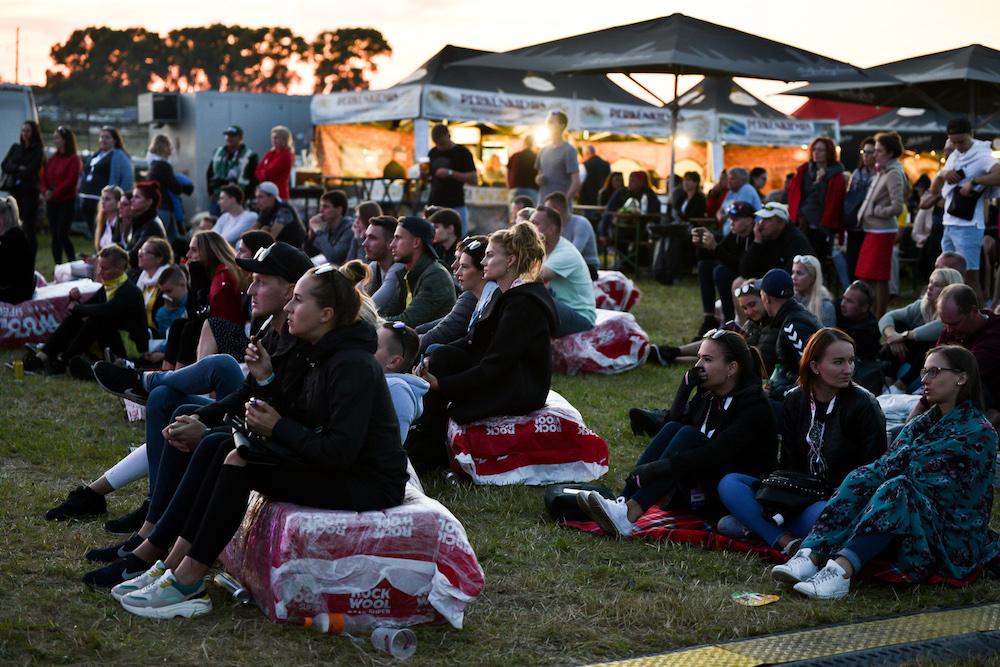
933, 371
746, 288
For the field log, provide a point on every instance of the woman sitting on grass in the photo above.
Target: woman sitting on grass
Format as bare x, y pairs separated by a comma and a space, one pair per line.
807, 276
727, 427
324, 405
924, 505
831, 426
504, 366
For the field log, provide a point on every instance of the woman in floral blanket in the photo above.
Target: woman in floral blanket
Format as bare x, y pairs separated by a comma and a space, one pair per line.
927, 501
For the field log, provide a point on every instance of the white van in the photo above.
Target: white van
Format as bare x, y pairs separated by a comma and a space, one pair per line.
17, 104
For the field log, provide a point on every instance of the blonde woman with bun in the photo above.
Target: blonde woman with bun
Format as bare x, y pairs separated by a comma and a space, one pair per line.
504, 366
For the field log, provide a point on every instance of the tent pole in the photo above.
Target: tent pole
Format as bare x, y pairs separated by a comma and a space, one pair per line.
674, 111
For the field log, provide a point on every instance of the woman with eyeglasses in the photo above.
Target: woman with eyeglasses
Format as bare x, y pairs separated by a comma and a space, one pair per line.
322, 405
816, 195
155, 256
810, 291
911, 331
885, 200
924, 505
60, 180
503, 366
477, 292
728, 426
830, 427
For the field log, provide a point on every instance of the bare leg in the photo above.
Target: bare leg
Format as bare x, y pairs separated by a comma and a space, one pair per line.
784, 540
634, 511
207, 344
101, 486
178, 553
148, 552
190, 572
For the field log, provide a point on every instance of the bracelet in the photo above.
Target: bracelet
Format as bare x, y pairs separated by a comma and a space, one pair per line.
451, 172
267, 381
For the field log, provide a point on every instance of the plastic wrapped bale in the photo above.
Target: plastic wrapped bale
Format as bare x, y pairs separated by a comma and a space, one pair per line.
616, 344
34, 321
548, 446
403, 566
613, 290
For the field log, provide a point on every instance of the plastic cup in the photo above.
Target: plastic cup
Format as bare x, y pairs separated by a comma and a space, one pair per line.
397, 643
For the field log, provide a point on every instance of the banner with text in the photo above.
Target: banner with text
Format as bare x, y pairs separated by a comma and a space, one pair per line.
646, 121
749, 131
459, 104
366, 106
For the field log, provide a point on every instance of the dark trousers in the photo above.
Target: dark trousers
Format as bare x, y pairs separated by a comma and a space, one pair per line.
27, 206
182, 341
819, 238
60, 217
713, 277
426, 442
88, 207
76, 335
855, 238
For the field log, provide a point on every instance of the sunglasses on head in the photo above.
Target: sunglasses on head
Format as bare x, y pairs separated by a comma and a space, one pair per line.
325, 268
746, 288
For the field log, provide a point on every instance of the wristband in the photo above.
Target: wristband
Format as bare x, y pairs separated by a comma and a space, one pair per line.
267, 381
451, 172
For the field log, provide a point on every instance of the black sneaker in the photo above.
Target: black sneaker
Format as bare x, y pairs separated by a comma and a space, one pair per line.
82, 502
707, 325
32, 364
114, 552
664, 355
81, 369
129, 523
646, 422
57, 367
119, 381
123, 569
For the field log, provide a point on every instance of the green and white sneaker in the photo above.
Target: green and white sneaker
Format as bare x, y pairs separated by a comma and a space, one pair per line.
140, 582
165, 598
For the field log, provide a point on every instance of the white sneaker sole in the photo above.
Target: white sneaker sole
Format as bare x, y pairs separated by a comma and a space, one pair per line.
805, 589
786, 576
186, 609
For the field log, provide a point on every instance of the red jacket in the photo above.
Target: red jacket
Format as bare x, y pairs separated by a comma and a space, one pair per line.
224, 296
276, 166
62, 174
833, 207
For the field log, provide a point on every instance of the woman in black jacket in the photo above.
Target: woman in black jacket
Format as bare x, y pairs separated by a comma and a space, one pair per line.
504, 367
22, 171
161, 172
146, 223
831, 426
324, 406
727, 427
17, 260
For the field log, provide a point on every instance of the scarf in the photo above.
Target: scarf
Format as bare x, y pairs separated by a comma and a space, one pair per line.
111, 286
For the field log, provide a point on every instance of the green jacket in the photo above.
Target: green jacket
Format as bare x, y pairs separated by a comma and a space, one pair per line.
433, 294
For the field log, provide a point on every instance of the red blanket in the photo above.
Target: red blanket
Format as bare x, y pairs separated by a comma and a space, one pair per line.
680, 528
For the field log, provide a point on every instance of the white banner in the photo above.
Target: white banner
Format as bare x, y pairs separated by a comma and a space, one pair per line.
749, 131
366, 106
647, 121
459, 104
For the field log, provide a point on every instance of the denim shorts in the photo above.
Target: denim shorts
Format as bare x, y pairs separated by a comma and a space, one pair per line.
966, 240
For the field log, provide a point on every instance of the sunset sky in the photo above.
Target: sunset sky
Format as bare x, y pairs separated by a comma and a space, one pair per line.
862, 33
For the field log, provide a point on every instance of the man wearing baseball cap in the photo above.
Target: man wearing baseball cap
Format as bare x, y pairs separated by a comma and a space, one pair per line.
278, 217
426, 291
233, 162
794, 324
719, 263
776, 242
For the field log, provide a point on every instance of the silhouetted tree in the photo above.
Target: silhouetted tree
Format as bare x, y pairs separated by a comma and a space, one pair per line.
345, 56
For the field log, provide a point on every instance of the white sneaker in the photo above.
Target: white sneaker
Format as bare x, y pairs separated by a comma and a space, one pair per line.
829, 583
798, 569
162, 599
610, 515
145, 579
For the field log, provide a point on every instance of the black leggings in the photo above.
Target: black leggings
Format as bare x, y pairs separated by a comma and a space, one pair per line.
27, 205
426, 442
60, 217
182, 341
76, 335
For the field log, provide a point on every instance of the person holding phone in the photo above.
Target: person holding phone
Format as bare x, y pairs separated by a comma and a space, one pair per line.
728, 426
719, 262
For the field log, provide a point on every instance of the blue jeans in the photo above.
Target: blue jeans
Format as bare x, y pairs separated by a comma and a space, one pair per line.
168, 391
674, 437
570, 321
966, 240
713, 276
736, 492
530, 192
862, 549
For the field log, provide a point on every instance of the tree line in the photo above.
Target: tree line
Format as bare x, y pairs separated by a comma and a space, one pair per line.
102, 67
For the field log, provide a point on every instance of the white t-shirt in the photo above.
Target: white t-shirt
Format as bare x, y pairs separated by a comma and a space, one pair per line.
976, 161
232, 228
572, 284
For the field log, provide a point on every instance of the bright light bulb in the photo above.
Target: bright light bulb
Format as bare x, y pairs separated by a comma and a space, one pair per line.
683, 142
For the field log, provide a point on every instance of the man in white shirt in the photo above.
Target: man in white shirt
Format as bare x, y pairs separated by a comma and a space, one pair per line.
234, 219
567, 276
966, 183
577, 230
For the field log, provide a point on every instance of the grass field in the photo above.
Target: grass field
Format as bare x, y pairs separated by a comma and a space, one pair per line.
552, 597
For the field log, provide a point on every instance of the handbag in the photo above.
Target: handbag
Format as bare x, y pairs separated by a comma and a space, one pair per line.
963, 207
262, 451
7, 182
786, 492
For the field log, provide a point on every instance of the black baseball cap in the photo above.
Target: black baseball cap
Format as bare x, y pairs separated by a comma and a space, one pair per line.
741, 209
278, 259
776, 283
422, 229
233, 129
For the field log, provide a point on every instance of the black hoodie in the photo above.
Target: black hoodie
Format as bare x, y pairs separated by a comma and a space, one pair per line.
511, 348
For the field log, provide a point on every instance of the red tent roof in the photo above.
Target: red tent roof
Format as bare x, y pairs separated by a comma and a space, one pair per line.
848, 112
